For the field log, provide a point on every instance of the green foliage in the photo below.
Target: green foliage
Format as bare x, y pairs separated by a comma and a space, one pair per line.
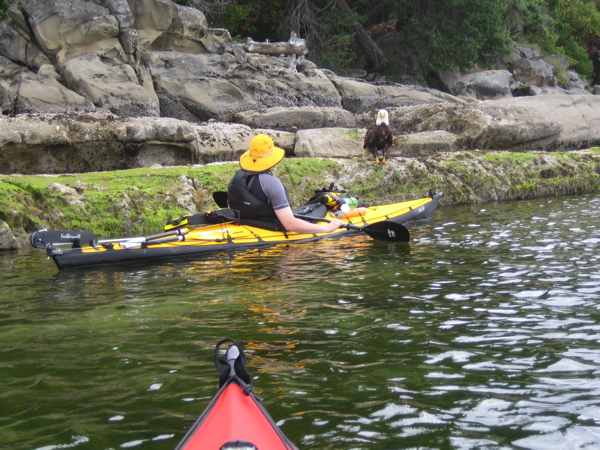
337, 53
578, 57
577, 28
257, 19
302, 176
529, 21
442, 35
134, 201
330, 34
582, 19
434, 35
4, 5
355, 135
116, 203
500, 158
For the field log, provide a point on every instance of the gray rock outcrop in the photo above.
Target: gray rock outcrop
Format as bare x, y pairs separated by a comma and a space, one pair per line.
110, 84
525, 72
32, 144
150, 58
578, 116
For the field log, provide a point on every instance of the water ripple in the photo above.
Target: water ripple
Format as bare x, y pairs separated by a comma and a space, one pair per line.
484, 333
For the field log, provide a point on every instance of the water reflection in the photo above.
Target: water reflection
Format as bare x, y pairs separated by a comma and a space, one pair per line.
485, 333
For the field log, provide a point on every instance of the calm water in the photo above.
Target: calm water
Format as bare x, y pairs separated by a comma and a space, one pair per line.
484, 333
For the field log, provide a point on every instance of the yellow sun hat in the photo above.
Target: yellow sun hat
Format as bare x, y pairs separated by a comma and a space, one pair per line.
262, 154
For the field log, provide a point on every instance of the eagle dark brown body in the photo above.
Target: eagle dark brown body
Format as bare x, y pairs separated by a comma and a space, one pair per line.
379, 137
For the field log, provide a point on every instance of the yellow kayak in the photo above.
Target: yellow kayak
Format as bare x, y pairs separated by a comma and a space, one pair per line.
74, 249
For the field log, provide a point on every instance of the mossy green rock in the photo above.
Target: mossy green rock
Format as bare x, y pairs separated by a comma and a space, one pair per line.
140, 201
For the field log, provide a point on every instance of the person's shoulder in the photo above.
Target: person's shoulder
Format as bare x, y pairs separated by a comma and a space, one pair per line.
268, 176
270, 183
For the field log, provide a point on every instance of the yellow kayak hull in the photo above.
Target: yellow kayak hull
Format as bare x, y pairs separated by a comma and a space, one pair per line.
216, 238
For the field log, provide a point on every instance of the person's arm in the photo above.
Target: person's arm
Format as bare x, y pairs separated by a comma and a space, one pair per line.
278, 198
291, 223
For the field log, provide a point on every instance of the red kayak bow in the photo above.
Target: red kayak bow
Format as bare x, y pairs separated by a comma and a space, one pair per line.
235, 418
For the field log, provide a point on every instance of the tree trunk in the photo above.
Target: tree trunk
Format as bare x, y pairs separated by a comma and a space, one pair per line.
376, 60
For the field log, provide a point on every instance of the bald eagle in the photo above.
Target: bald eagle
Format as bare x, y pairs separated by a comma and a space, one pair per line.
379, 137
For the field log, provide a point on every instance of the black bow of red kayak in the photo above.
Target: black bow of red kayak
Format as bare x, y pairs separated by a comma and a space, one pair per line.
234, 418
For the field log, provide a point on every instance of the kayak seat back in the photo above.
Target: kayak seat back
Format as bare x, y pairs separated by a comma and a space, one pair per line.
316, 210
187, 220
223, 215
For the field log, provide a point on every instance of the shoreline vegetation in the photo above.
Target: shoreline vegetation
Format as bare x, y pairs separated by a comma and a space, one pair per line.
140, 201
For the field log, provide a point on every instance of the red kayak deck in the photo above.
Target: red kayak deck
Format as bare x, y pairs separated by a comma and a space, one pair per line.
235, 416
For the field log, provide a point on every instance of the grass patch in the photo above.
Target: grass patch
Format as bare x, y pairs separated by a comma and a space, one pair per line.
109, 203
303, 176
140, 201
355, 135
134, 201
509, 157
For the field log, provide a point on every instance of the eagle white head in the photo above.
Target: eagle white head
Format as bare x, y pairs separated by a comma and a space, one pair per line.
382, 117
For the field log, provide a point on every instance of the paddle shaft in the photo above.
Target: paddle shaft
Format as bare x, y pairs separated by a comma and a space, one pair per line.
386, 230
47, 238
175, 232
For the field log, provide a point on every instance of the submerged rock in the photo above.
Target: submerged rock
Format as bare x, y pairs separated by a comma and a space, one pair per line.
7, 240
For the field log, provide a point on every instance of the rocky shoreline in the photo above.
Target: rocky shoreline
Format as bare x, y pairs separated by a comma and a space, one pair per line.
119, 114
116, 84
140, 201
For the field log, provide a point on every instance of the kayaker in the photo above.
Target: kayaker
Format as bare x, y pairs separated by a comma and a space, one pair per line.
260, 196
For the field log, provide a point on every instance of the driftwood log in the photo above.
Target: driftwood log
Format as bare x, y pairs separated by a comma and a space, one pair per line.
295, 46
